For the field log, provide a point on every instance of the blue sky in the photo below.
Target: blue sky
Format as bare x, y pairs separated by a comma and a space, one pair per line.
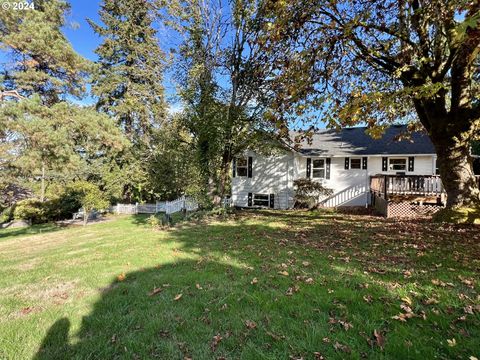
83, 39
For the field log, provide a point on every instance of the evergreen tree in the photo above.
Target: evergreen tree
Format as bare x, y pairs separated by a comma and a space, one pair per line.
42, 62
44, 136
128, 79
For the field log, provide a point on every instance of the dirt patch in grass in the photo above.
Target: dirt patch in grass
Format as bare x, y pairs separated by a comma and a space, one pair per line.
28, 265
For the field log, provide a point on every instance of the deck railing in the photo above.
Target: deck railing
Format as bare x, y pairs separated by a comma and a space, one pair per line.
425, 185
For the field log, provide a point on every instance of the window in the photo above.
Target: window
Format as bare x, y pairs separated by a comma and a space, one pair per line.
397, 164
355, 163
261, 200
242, 167
318, 168
437, 169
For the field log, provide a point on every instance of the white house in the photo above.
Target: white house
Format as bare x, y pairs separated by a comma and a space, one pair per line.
342, 161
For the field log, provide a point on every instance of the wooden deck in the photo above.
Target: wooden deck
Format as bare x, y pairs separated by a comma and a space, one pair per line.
415, 185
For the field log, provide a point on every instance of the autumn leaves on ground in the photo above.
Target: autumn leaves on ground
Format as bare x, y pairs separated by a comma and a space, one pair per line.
257, 285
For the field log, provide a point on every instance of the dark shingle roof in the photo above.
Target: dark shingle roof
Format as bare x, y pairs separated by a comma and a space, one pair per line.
354, 141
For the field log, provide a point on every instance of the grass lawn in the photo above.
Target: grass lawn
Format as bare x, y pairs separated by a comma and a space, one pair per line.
260, 285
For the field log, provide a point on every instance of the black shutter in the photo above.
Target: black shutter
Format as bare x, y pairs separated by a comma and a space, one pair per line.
250, 198
327, 168
364, 163
250, 161
384, 163
272, 201
347, 163
309, 167
411, 161
234, 167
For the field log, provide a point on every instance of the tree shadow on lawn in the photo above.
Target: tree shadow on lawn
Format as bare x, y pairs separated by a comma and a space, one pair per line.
30, 230
312, 293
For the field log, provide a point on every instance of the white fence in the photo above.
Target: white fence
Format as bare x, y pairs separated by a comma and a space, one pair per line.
180, 204
168, 207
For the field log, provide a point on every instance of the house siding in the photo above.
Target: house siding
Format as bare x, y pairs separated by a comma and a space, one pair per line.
270, 175
275, 175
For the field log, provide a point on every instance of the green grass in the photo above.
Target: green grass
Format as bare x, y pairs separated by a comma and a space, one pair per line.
83, 292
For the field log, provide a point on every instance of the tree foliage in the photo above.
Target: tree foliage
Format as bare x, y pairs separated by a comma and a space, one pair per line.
221, 71
128, 78
379, 62
44, 136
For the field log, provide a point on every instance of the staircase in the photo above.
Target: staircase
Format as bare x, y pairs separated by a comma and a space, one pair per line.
357, 192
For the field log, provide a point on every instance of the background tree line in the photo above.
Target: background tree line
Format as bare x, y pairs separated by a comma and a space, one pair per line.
244, 71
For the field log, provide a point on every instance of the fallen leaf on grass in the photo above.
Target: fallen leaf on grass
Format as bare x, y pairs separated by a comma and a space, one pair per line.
250, 324
452, 342
291, 290
407, 300
155, 291
342, 347
284, 273
198, 286
430, 301
215, 341
254, 281
309, 281
403, 317
305, 263
379, 338
121, 277
178, 297
368, 298
318, 356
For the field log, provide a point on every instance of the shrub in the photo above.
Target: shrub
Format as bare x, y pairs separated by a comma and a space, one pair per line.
458, 216
7, 214
90, 197
308, 193
31, 209
154, 221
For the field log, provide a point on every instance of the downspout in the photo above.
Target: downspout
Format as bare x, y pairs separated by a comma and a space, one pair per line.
286, 186
367, 184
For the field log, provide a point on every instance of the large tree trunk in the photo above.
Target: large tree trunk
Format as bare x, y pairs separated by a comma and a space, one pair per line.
456, 169
223, 180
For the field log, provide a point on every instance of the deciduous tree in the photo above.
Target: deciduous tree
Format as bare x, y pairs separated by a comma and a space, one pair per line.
376, 62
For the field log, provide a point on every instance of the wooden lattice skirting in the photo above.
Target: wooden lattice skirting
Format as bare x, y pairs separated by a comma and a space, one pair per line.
403, 209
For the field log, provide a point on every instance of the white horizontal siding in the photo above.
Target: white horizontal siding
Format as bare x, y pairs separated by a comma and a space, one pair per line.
275, 175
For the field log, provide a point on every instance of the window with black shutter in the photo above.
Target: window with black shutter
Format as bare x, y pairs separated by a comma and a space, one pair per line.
241, 167
318, 168
327, 169
384, 163
411, 163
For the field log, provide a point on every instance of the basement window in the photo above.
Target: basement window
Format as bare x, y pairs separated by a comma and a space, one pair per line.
261, 200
